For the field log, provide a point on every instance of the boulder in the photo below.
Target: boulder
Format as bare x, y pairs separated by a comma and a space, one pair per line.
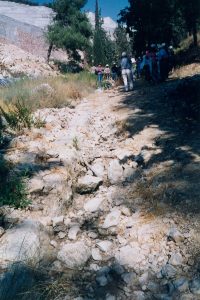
195, 286
26, 241
112, 219
130, 257
115, 172
175, 235
176, 259
98, 168
35, 185
74, 255
88, 184
104, 246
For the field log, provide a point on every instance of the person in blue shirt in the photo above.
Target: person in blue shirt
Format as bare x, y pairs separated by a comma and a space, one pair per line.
126, 69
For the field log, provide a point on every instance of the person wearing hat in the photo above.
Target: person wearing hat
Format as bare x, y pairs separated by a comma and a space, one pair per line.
114, 71
163, 62
99, 72
171, 58
126, 68
107, 72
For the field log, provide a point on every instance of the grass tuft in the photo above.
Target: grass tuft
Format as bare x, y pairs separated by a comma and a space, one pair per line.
13, 190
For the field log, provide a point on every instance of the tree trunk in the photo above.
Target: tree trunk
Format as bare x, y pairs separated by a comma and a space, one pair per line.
49, 52
194, 32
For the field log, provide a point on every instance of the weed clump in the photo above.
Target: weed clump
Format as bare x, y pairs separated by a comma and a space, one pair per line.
12, 186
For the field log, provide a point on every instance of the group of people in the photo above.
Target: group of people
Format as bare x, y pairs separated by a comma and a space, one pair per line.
106, 73
155, 65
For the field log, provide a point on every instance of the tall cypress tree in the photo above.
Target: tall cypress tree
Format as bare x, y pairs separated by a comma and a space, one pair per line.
99, 37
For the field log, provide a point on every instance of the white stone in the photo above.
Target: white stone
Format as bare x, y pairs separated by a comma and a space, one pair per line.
195, 286
123, 154
175, 235
168, 271
129, 256
181, 284
115, 172
58, 221
98, 168
102, 280
143, 280
93, 205
25, 241
126, 211
139, 295
129, 278
112, 219
53, 243
96, 255
176, 259
74, 255
105, 246
35, 185
88, 184
73, 231
61, 235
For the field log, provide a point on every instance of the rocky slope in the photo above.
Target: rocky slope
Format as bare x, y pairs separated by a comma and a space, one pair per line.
15, 62
101, 190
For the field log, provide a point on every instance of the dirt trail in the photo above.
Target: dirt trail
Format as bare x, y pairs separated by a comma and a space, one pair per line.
126, 168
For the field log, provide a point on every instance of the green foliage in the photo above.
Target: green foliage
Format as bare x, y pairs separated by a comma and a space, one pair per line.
12, 187
104, 49
150, 22
19, 116
71, 29
121, 41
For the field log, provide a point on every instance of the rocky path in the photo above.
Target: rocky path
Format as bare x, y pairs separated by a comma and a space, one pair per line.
102, 187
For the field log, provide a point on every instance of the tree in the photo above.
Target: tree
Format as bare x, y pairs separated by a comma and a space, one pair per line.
153, 22
122, 42
103, 47
71, 29
191, 14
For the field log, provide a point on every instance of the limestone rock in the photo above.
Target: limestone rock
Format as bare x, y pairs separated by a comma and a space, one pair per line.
115, 172
175, 235
105, 246
168, 271
88, 184
74, 255
35, 185
112, 219
129, 256
57, 221
96, 255
98, 168
73, 231
195, 286
102, 280
176, 259
181, 284
93, 205
27, 240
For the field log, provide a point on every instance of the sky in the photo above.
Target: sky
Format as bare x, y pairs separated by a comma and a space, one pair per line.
109, 8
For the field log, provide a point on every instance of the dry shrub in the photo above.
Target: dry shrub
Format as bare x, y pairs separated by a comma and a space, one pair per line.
49, 92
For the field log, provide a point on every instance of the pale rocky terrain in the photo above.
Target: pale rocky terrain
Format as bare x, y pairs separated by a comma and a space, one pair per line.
114, 199
15, 62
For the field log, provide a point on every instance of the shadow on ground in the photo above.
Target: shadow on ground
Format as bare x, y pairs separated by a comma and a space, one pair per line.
174, 109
